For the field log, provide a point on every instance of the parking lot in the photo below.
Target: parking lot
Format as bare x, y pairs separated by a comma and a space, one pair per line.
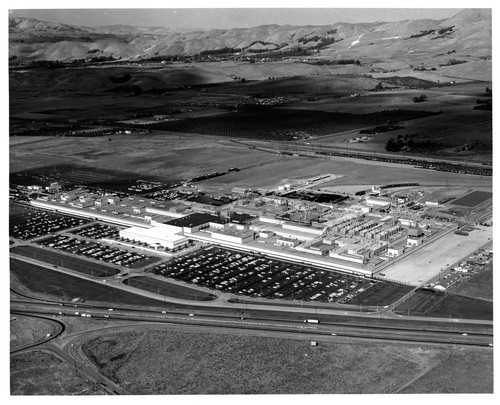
68, 262
29, 224
98, 231
259, 276
97, 251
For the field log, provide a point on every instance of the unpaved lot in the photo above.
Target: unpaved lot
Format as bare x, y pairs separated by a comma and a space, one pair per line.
426, 263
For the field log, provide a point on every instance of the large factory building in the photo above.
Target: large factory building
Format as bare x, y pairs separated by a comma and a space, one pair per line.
155, 236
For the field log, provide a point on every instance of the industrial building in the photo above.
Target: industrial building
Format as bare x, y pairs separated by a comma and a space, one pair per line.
352, 238
156, 236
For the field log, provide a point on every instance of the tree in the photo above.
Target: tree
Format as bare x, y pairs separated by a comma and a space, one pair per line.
392, 145
420, 98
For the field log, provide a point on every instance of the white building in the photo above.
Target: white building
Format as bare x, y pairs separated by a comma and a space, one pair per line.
155, 236
287, 242
394, 252
378, 202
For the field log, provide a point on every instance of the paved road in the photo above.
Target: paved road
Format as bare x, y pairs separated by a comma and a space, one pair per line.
252, 320
222, 303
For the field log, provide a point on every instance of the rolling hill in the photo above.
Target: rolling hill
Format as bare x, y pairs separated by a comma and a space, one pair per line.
465, 35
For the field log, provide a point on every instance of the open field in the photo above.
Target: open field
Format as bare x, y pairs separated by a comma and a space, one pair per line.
66, 261
167, 157
175, 362
420, 302
26, 330
455, 306
352, 172
168, 289
458, 371
322, 104
473, 199
42, 373
437, 304
480, 285
380, 294
59, 286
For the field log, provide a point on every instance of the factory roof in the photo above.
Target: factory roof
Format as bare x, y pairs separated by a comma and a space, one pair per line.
156, 232
195, 219
241, 218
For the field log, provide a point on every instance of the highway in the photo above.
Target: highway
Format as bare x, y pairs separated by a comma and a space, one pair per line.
253, 320
66, 344
334, 324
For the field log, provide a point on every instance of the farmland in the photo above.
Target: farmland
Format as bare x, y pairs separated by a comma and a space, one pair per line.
282, 124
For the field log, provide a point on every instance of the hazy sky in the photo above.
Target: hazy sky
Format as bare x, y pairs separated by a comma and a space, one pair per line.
228, 17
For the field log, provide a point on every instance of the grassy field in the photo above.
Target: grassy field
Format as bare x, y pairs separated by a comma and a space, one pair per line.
457, 371
436, 304
41, 373
455, 306
25, 330
69, 262
174, 362
168, 289
479, 286
60, 286
380, 294
473, 199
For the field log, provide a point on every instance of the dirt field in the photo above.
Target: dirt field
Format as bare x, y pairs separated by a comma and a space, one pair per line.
175, 362
353, 172
41, 373
167, 156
